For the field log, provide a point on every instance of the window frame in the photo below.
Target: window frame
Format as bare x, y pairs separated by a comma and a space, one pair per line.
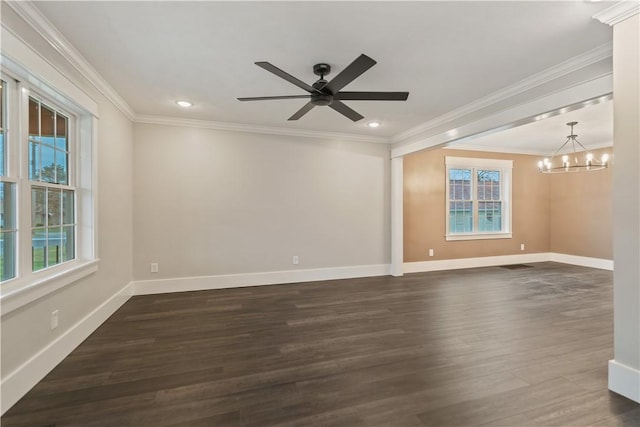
37, 82
505, 168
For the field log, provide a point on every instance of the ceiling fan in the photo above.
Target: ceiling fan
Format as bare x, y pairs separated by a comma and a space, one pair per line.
323, 92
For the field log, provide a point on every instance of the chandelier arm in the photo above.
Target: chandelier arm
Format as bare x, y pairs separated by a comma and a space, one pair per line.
561, 147
581, 146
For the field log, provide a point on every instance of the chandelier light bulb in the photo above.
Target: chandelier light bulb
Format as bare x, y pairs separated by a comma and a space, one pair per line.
605, 158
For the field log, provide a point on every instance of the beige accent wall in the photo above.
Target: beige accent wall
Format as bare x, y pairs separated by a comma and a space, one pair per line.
210, 202
563, 213
581, 212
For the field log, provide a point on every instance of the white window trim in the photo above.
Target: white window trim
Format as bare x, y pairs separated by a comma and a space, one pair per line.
505, 167
47, 83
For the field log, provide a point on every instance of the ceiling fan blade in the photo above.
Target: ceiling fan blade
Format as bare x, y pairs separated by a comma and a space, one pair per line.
301, 112
288, 77
349, 74
346, 111
262, 98
372, 96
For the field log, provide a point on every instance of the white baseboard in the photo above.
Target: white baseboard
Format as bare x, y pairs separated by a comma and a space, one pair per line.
491, 261
145, 287
459, 263
603, 264
624, 380
16, 384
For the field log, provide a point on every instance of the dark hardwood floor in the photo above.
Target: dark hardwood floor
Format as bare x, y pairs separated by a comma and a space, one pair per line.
487, 346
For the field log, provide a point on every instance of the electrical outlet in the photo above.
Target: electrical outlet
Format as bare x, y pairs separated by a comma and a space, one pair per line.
296, 260
54, 319
154, 267
430, 252
522, 246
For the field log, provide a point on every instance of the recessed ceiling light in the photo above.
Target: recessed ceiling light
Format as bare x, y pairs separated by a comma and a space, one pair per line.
184, 103
373, 124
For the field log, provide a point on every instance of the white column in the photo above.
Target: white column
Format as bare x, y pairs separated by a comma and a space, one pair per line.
624, 369
397, 237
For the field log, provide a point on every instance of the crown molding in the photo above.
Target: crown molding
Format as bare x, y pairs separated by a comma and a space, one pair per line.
505, 149
618, 12
566, 67
269, 130
33, 17
573, 97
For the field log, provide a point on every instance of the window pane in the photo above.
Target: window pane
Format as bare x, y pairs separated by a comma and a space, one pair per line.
7, 233
34, 119
489, 216
61, 167
48, 171
2, 92
488, 185
460, 217
7, 255
47, 124
7, 206
460, 184
68, 243
34, 161
68, 212
2, 153
54, 246
54, 206
61, 133
38, 249
38, 207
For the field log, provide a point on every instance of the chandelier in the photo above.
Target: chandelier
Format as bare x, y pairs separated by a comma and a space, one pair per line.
571, 162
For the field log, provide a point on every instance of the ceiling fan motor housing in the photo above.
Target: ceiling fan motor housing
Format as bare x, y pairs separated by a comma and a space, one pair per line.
321, 69
321, 99
324, 98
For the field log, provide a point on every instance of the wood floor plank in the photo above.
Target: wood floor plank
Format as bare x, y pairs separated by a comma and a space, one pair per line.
492, 346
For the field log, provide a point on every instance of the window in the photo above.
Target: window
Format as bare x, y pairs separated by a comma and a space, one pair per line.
8, 228
52, 198
478, 193
47, 181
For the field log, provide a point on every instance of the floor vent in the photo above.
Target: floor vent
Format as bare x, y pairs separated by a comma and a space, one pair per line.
516, 266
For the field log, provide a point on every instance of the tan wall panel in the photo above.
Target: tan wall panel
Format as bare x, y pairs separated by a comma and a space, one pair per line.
581, 210
424, 208
562, 213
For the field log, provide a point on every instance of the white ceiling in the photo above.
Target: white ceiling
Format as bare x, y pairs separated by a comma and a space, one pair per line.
545, 136
446, 54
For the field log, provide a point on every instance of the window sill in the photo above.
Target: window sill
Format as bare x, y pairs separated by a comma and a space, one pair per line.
477, 236
18, 293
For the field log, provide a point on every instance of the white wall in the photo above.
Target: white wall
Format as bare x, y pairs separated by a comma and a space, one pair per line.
26, 331
624, 370
210, 202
